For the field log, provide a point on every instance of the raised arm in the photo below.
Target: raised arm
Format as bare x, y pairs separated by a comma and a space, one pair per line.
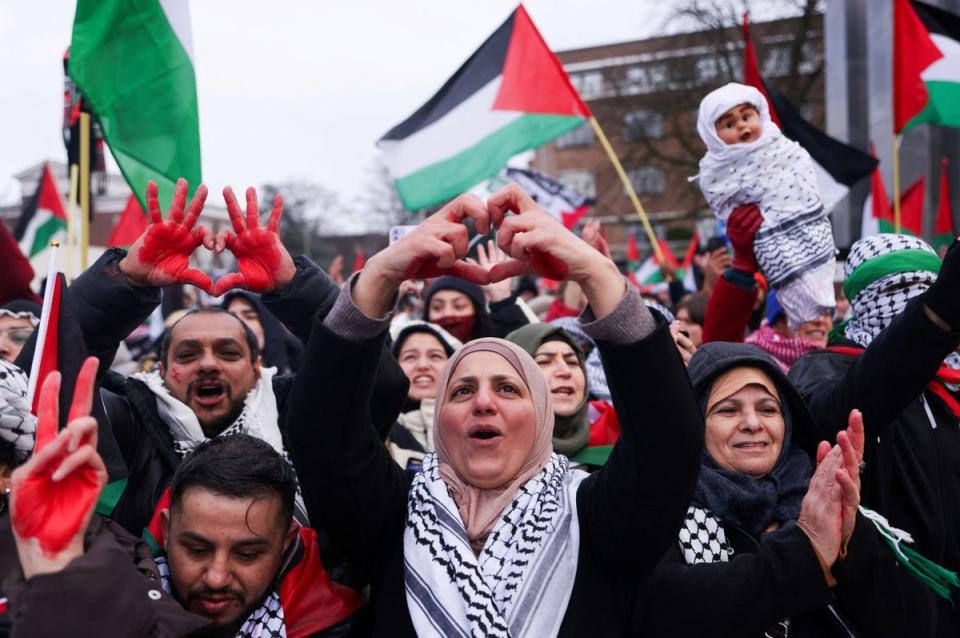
343, 467
631, 509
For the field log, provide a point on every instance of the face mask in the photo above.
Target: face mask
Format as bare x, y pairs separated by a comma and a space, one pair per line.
459, 327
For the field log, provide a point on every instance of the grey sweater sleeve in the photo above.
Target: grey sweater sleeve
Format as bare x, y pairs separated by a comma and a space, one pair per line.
347, 321
629, 322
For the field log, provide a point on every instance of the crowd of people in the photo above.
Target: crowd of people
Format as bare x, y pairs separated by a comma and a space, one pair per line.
503, 437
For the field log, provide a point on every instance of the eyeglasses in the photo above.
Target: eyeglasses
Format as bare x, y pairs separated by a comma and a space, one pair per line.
17, 336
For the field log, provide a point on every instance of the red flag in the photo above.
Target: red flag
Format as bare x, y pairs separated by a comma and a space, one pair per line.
132, 223
691, 251
668, 255
45, 358
16, 269
943, 230
751, 71
913, 52
359, 260
911, 211
878, 191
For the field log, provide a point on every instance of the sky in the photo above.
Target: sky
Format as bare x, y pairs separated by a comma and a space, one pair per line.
292, 90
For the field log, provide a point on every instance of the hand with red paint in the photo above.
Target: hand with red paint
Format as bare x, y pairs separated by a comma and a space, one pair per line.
436, 247
161, 255
263, 261
53, 494
539, 244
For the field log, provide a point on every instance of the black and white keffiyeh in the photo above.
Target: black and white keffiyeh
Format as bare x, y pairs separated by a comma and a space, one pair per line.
874, 306
519, 585
18, 426
266, 621
794, 246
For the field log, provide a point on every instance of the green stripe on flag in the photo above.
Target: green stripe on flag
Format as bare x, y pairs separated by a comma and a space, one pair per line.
443, 180
943, 107
110, 496
138, 79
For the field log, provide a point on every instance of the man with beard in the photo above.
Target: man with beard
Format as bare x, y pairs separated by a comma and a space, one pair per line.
225, 544
210, 381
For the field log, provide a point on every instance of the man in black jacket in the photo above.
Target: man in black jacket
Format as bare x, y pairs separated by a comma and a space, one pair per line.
895, 361
210, 380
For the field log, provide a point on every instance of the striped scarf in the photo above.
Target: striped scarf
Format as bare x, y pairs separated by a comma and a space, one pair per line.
520, 583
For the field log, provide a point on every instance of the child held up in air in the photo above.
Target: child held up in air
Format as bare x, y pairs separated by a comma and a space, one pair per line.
749, 161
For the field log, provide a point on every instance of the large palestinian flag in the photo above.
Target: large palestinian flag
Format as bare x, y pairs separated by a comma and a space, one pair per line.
926, 66
133, 62
838, 166
511, 95
43, 218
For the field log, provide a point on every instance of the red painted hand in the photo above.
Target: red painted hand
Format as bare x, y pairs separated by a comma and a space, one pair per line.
53, 494
263, 261
161, 255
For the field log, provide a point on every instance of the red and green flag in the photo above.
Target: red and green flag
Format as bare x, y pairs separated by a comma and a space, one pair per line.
943, 229
511, 95
43, 219
922, 77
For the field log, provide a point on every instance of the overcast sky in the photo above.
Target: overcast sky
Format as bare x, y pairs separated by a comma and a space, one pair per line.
293, 89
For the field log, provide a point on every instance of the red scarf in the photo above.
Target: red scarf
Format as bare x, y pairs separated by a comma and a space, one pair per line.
937, 386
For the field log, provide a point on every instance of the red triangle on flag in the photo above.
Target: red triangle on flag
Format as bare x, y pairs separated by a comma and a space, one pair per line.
48, 197
911, 211
533, 78
878, 192
913, 52
132, 223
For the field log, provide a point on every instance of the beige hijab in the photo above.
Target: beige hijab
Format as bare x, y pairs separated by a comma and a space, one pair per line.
481, 508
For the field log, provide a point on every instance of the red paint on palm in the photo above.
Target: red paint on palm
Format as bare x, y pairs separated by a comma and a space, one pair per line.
167, 247
54, 511
546, 265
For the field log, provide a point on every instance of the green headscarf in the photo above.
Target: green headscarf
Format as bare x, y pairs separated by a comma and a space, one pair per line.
571, 433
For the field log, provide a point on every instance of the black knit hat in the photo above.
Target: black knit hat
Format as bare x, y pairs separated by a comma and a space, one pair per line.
471, 290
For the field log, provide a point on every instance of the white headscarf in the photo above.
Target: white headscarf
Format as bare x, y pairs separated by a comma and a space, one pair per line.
714, 105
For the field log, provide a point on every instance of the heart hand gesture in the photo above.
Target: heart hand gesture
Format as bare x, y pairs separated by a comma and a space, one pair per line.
161, 255
262, 260
53, 494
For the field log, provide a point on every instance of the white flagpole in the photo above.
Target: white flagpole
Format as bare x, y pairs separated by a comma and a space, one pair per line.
52, 271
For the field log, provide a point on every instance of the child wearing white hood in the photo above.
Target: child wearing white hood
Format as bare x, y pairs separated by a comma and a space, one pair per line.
749, 161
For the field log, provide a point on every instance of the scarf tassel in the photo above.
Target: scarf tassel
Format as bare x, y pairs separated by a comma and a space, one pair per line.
936, 577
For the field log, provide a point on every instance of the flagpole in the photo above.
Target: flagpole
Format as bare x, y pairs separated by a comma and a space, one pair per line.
84, 188
71, 269
44, 320
896, 183
651, 236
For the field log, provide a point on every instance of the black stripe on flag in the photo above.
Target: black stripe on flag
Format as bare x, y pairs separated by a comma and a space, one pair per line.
479, 70
846, 164
937, 20
27, 212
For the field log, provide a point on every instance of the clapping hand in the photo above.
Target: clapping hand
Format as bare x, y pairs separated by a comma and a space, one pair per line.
161, 255
263, 262
53, 494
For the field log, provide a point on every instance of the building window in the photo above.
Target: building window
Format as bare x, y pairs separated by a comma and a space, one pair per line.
589, 84
809, 58
707, 70
579, 180
658, 74
580, 136
642, 124
636, 80
647, 180
777, 62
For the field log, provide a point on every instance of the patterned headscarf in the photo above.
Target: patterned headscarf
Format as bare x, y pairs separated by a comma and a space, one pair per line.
882, 274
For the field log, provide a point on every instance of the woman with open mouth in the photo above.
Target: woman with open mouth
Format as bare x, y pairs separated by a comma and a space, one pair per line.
498, 535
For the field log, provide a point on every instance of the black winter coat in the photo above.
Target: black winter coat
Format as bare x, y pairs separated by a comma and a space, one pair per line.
912, 455
629, 511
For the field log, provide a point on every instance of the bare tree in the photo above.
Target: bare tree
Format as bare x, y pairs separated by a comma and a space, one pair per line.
310, 211
378, 206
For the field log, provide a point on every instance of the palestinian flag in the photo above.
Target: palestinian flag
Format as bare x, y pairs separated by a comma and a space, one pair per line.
133, 62
943, 230
877, 204
633, 259
838, 166
511, 95
44, 217
926, 66
650, 277
878, 216
565, 204
132, 223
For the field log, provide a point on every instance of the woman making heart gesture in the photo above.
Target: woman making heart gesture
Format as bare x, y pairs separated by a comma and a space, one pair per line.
497, 535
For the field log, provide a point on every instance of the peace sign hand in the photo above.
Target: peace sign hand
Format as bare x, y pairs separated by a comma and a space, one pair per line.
262, 259
53, 494
161, 255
